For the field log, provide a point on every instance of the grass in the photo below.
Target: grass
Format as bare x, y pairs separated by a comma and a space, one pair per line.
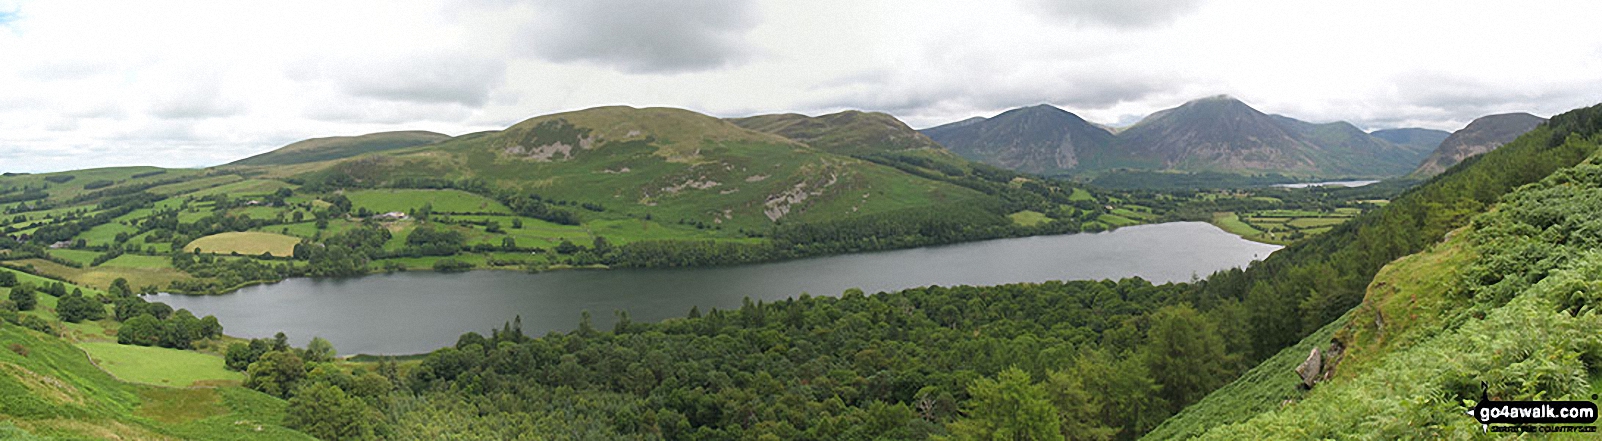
195, 185
100, 277
1232, 223
83, 257
249, 187
1116, 220
1029, 218
160, 366
139, 262
442, 201
55, 392
1262, 389
1314, 222
245, 243
1282, 226
105, 234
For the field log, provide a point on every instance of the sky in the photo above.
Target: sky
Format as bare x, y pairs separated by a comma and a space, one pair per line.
199, 83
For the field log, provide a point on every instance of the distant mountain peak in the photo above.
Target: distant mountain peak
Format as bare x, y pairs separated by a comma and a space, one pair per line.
1039, 139
1482, 135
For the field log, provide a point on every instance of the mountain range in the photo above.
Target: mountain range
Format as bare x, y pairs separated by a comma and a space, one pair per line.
1218, 133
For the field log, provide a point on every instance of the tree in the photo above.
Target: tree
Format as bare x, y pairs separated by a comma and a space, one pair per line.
276, 373
8, 279
325, 411
1008, 407
24, 297
1185, 355
142, 330
75, 308
319, 351
566, 247
120, 288
240, 355
1077, 408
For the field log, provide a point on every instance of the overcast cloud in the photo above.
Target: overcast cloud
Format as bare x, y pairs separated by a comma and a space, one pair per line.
187, 84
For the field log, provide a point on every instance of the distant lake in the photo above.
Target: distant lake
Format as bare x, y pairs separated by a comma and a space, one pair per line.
1327, 184
418, 312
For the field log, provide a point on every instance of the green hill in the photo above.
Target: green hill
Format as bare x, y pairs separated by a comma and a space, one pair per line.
673, 165
1417, 339
848, 133
323, 149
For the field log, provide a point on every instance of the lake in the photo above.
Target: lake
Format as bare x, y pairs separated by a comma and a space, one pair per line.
1327, 184
417, 312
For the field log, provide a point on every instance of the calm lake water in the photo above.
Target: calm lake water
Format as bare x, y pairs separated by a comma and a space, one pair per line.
418, 312
1327, 183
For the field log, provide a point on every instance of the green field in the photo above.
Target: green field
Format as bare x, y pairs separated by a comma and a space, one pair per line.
56, 392
83, 257
1231, 223
1283, 226
245, 243
442, 201
138, 261
1029, 218
101, 277
160, 366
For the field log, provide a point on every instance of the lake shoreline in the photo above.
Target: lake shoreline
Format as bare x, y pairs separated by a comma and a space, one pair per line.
415, 312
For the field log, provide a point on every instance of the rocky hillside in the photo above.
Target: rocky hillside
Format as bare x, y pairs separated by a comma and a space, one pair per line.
1480, 136
1215, 134
1037, 139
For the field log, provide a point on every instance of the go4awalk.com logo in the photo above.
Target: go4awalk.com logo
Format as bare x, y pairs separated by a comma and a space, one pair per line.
1533, 416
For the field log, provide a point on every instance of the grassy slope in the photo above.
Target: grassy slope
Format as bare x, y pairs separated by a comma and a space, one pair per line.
160, 366
1414, 358
322, 149
671, 164
49, 387
1262, 389
55, 391
246, 243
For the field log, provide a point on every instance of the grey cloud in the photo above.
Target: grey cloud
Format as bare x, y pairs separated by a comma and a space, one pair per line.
387, 112
1455, 98
196, 107
1119, 13
643, 37
930, 102
437, 78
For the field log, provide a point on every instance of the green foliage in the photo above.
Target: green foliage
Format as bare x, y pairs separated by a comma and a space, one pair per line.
74, 308
23, 296
1007, 408
277, 373
327, 412
451, 266
888, 365
319, 351
1338, 265
1185, 354
158, 366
